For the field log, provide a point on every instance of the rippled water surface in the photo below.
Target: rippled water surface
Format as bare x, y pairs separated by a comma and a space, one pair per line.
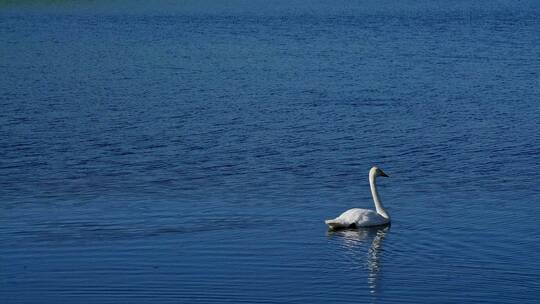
189, 152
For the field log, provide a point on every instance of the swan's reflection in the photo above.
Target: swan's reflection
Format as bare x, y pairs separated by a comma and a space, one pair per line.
355, 240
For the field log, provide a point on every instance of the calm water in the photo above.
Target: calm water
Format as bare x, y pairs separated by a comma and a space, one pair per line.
190, 152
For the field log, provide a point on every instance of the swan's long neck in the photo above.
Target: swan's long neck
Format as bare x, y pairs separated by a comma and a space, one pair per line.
376, 199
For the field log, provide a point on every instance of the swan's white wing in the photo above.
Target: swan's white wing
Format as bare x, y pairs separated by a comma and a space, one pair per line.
357, 217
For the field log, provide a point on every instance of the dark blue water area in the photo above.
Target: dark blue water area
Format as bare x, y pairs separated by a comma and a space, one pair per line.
190, 151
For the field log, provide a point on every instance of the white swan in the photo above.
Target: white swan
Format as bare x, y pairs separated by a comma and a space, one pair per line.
356, 217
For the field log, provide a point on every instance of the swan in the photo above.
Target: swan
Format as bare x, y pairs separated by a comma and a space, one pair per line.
357, 217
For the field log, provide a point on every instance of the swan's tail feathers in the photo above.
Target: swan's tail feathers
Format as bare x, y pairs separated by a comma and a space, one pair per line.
335, 224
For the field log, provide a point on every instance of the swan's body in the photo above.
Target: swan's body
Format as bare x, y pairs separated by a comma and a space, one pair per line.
356, 217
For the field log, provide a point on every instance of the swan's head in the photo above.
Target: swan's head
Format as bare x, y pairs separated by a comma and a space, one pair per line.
375, 171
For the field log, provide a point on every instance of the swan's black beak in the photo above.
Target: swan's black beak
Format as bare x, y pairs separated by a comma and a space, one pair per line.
384, 174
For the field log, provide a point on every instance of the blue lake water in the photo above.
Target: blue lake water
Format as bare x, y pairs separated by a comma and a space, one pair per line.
190, 152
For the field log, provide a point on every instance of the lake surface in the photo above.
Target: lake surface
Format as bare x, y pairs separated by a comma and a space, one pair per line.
190, 152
